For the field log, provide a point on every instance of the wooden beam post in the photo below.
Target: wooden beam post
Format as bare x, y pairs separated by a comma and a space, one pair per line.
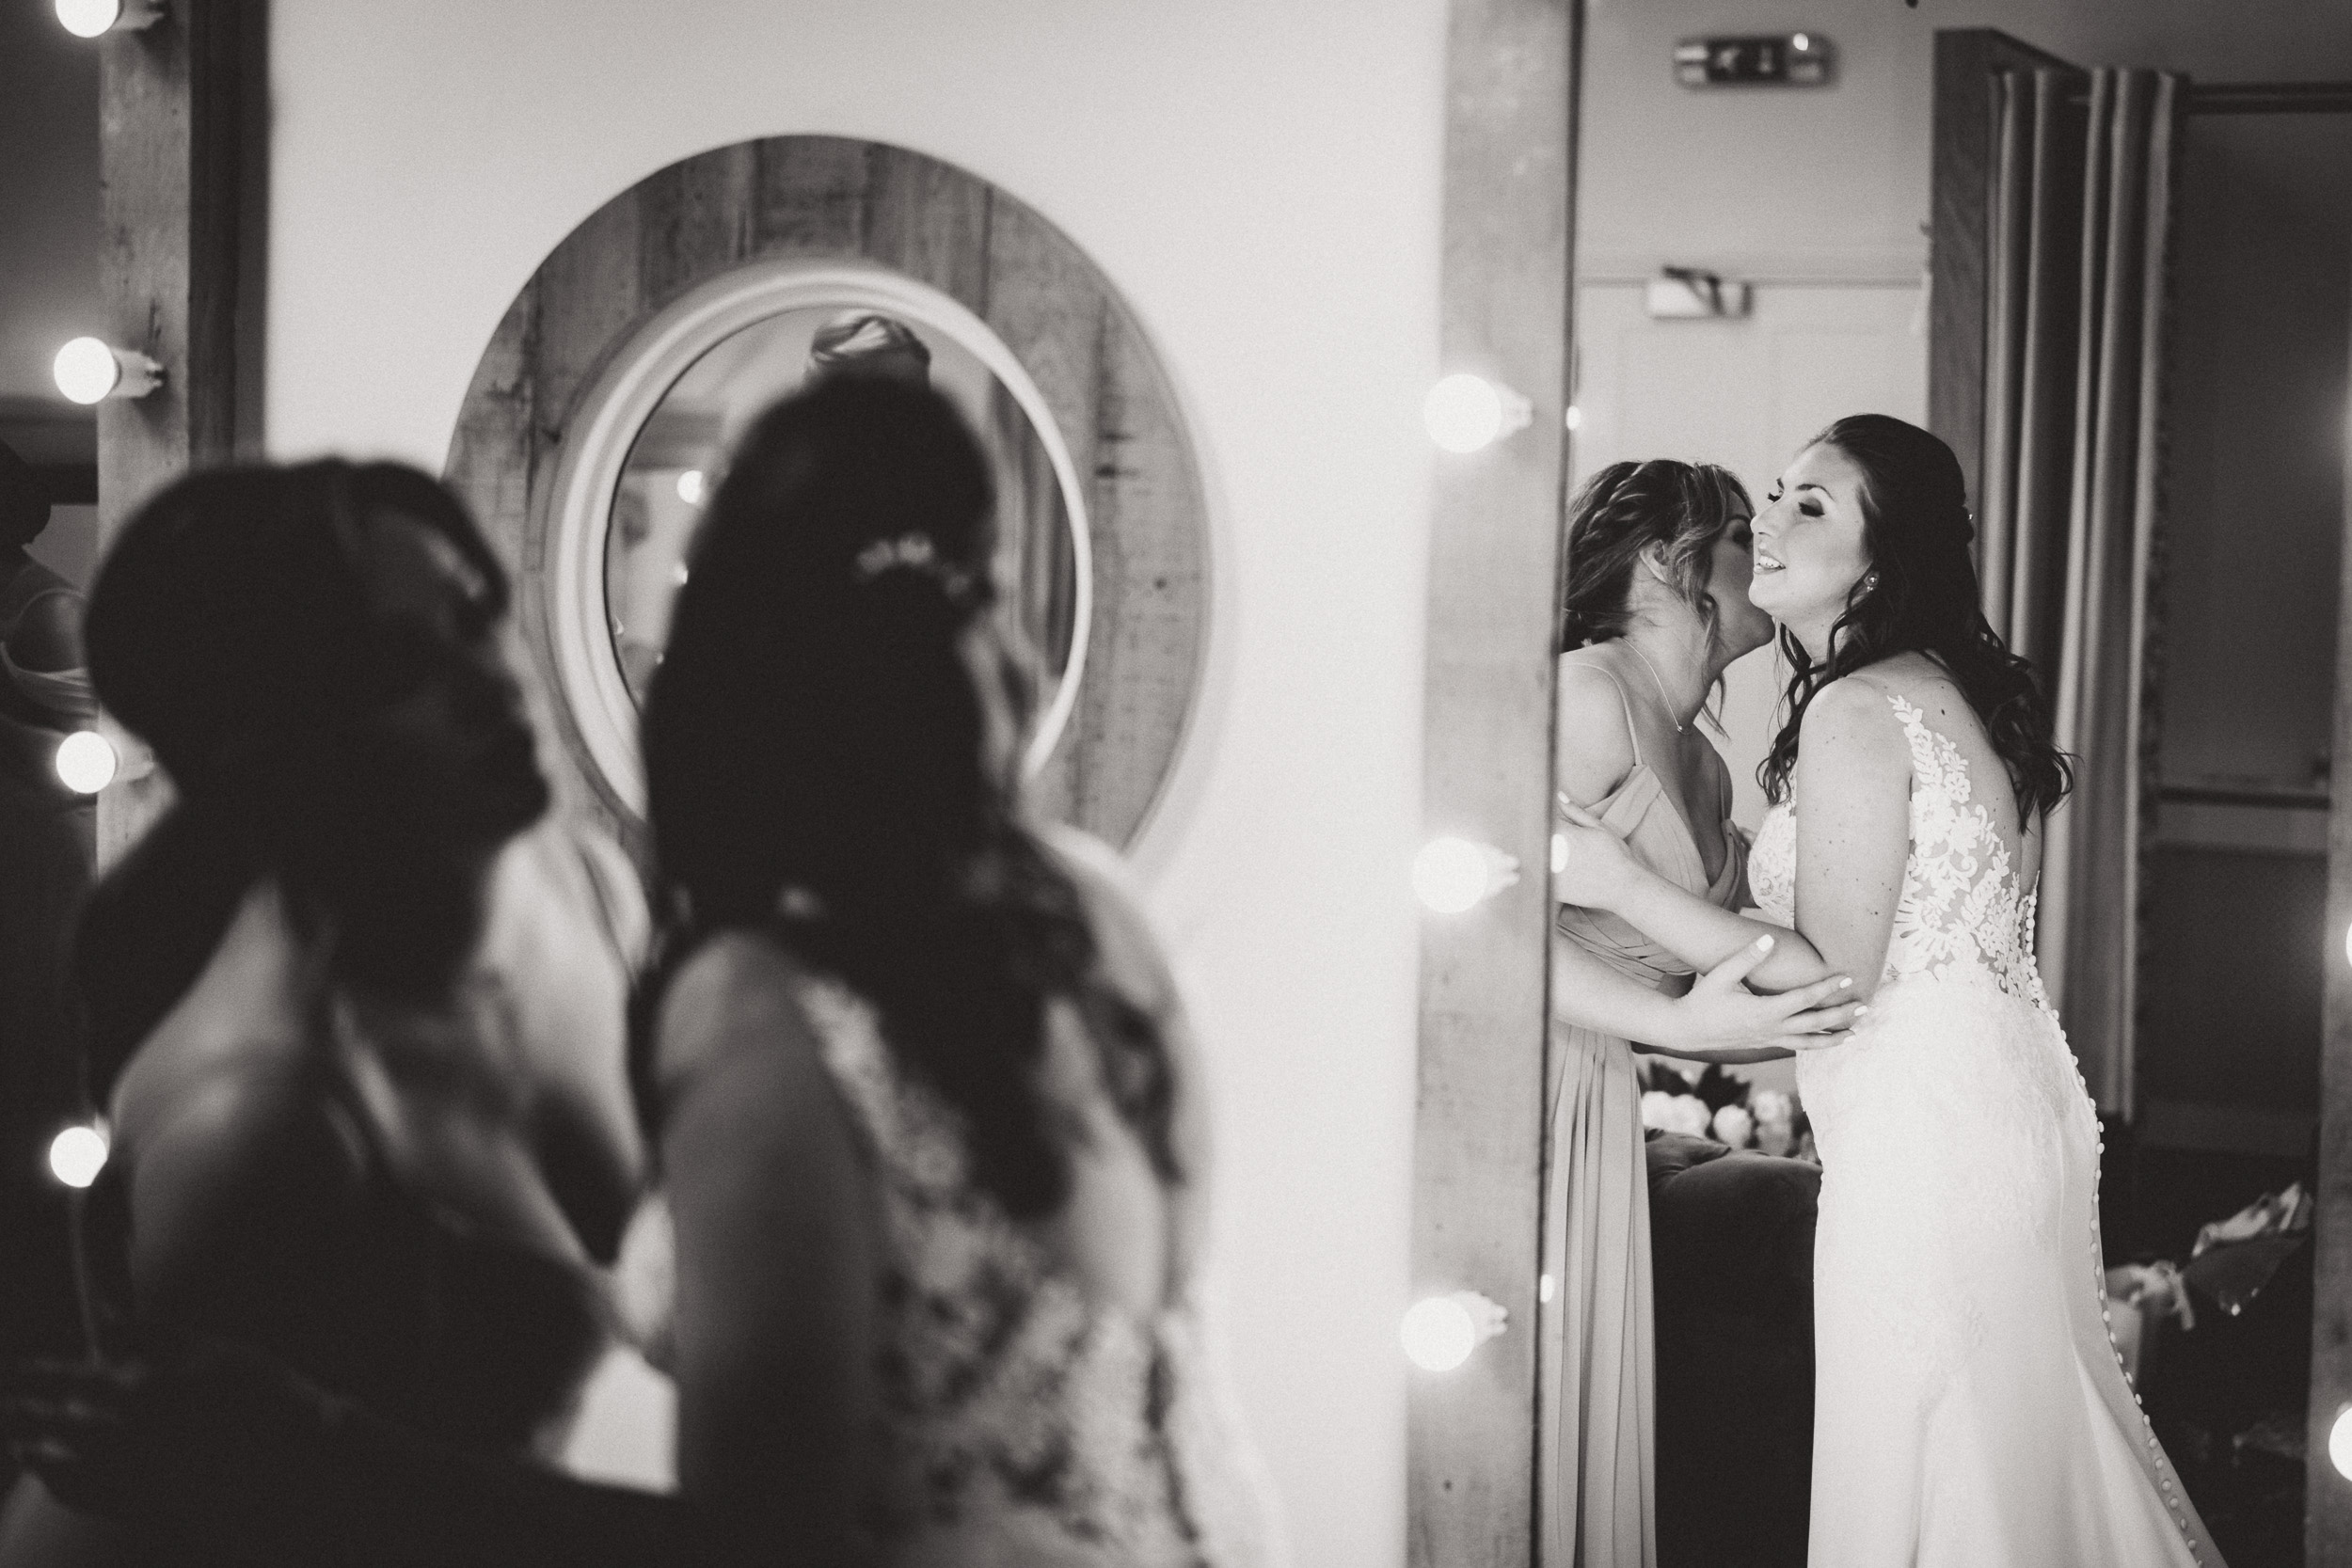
1487, 771
2327, 1496
180, 107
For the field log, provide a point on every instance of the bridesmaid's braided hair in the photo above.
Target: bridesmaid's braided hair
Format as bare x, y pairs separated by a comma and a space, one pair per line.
1917, 531
1682, 508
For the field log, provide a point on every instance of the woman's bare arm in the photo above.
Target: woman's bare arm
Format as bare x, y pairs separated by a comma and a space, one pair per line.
1717, 1019
777, 1217
1853, 833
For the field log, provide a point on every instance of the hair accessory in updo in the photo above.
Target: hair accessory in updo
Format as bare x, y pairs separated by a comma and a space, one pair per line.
912, 552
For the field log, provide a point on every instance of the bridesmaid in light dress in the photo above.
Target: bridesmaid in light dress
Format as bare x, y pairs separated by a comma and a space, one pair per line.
1656, 608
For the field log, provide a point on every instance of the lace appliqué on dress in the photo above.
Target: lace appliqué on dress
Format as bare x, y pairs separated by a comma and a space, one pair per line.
1773, 867
1962, 911
1012, 1409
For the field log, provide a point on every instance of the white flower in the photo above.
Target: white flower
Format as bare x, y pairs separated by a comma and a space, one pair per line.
1774, 1106
1685, 1114
1732, 1125
1654, 1113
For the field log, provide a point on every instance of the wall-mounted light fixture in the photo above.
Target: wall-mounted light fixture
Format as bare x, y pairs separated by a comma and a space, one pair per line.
77, 1154
1687, 294
1451, 875
89, 19
89, 371
1465, 413
87, 762
1440, 1332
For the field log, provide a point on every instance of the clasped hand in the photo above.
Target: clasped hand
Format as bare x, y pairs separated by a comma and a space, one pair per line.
1719, 1018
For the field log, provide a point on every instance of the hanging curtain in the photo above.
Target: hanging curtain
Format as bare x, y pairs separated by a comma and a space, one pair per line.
2069, 540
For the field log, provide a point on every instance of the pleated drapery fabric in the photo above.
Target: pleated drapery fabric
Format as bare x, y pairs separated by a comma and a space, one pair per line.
1598, 1406
2068, 532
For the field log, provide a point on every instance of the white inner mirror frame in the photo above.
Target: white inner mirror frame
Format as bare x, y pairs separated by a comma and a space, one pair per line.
616, 408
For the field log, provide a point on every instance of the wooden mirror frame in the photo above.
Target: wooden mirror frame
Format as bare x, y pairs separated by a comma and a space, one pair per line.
1474, 1496
603, 294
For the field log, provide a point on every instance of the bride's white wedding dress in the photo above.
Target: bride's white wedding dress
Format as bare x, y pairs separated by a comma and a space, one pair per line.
1970, 1408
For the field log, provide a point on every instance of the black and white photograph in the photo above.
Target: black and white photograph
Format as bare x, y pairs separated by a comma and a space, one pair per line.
1227, 784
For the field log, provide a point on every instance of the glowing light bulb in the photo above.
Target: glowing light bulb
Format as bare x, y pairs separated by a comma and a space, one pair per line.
2339, 1442
689, 486
88, 19
89, 371
86, 762
1438, 1335
1465, 413
1440, 1332
76, 1155
86, 370
1574, 418
1802, 42
1451, 875
2348, 945
1543, 1288
1559, 853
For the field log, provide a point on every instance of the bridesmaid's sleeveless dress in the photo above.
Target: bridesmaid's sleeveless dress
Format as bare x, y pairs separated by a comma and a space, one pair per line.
1598, 1404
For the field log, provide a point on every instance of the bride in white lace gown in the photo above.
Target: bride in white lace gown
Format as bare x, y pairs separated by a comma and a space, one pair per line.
932, 1132
1970, 1408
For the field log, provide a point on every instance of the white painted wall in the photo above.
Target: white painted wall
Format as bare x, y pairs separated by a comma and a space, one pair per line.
1262, 183
1834, 181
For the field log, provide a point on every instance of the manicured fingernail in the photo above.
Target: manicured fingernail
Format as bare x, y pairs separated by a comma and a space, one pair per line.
1845, 981
1860, 1008
1764, 943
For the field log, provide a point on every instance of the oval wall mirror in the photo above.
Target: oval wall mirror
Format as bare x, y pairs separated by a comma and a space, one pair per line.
599, 419
653, 437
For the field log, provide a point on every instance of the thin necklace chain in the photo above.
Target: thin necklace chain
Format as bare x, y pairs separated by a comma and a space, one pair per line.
1655, 681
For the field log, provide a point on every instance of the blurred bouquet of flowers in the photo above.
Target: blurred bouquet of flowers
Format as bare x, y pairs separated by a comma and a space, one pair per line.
1723, 1106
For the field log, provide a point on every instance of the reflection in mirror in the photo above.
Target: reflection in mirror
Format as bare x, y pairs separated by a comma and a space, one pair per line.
2165, 917
680, 455
46, 851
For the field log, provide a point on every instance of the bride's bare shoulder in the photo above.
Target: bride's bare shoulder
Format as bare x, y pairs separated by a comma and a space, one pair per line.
1922, 684
1849, 721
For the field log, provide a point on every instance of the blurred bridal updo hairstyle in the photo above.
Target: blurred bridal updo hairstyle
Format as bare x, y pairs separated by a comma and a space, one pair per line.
253, 627
1918, 533
1680, 508
819, 769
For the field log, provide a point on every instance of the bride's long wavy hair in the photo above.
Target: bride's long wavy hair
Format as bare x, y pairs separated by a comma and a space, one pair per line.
1917, 532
